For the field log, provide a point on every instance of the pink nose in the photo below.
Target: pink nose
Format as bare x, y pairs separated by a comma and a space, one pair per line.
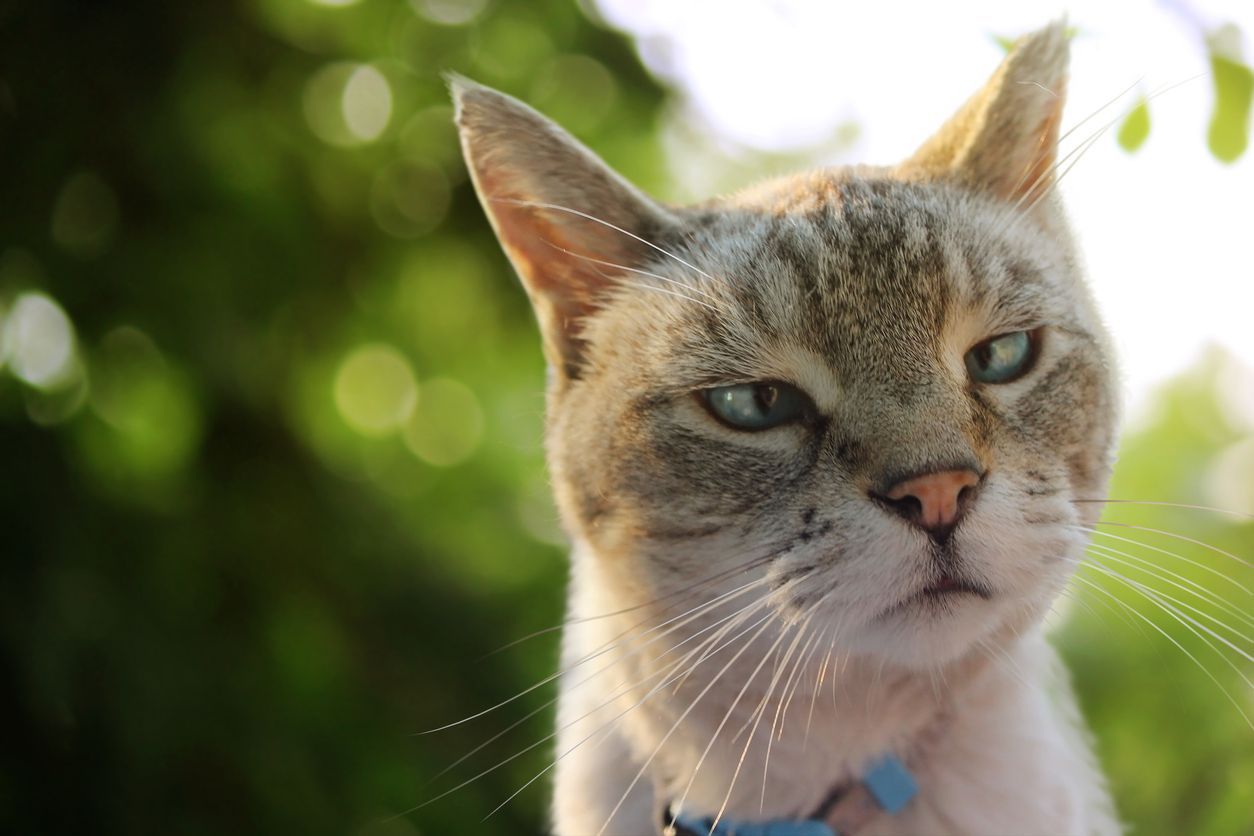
934, 501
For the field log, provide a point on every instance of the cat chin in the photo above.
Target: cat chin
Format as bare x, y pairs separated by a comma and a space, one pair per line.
926, 633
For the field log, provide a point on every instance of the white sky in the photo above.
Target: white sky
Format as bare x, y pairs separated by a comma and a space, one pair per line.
1167, 233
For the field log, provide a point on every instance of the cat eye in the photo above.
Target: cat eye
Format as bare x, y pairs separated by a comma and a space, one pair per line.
1003, 358
756, 406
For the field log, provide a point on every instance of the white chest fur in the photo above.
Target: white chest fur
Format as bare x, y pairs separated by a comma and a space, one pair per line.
996, 743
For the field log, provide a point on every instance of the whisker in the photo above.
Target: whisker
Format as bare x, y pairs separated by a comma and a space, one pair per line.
794, 684
748, 608
1190, 587
637, 271
1093, 115
677, 295
1185, 621
604, 648
1027, 168
604, 727
1182, 505
1055, 174
732, 707
1179, 646
1071, 596
818, 685
766, 622
534, 204
801, 630
999, 655
780, 706
1183, 538
1169, 553
692, 615
1160, 596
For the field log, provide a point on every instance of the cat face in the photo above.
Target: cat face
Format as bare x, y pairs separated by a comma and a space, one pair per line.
742, 389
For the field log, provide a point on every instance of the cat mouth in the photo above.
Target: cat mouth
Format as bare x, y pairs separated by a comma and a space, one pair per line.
944, 589
948, 585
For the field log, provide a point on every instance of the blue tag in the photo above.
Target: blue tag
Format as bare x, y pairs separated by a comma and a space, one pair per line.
730, 827
891, 783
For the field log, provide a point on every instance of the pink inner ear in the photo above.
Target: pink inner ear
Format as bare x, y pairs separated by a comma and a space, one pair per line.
559, 254
564, 218
1039, 174
566, 258
566, 262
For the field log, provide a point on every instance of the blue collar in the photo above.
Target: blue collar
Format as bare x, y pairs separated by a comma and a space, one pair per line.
887, 781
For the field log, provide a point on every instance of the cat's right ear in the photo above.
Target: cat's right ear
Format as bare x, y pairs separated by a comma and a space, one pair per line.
1004, 140
565, 218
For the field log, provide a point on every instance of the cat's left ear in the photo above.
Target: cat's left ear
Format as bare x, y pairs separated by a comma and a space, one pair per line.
1004, 140
571, 226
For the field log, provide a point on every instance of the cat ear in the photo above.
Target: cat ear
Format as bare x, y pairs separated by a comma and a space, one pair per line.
565, 219
1004, 140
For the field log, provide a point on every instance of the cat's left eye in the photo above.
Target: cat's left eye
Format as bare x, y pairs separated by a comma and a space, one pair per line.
756, 406
1003, 358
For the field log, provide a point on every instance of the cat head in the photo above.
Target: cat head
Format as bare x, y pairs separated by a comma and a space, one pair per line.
879, 390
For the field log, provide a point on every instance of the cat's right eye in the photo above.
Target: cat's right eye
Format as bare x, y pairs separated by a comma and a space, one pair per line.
1003, 358
756, 406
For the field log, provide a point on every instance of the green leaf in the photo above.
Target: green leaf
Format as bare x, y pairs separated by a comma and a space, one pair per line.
1007, 43
1229, 132
1135, 128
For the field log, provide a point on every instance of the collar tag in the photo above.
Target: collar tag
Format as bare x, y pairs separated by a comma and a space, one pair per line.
685, 825
887, 781
890, 783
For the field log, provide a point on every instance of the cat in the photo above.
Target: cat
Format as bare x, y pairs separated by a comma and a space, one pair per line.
820, 448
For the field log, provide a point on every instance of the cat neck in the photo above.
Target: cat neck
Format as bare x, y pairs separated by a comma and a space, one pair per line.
696, 729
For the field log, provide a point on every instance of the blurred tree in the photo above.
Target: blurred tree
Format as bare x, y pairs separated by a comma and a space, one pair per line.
271, 415
240, 571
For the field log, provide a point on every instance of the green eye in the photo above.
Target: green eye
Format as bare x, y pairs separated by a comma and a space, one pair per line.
756, 406
1004, 358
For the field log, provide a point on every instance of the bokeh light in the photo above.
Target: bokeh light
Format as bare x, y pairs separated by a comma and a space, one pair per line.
50, 407
449, 12
367, 103
85, 216
375, 390
577, 91
151, 425
537, 511
447, 425
347, 103
431, 136
507, 48
37, 341
1230, 483
409, 198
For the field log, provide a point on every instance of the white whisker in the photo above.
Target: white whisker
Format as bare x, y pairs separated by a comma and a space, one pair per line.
1180, 647
556, 208
1168, 553
766, 622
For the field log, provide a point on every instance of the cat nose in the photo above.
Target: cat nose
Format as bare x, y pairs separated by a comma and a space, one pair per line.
933, 501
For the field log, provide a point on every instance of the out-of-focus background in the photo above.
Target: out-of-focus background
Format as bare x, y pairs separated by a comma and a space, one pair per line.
271, 399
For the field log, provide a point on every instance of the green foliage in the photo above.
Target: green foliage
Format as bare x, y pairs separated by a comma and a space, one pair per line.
1170, 728
1229, 133
236, 576
1135, 127
1007, 42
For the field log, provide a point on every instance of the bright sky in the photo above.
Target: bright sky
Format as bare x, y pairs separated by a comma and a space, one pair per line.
1167, 233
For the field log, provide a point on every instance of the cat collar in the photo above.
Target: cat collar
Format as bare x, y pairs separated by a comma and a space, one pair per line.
887, 786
